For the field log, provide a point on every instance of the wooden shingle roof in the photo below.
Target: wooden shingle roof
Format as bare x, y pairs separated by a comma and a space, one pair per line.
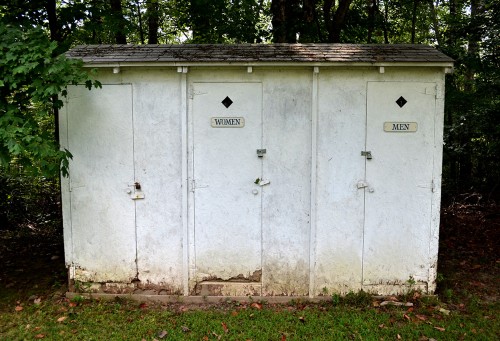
258, 53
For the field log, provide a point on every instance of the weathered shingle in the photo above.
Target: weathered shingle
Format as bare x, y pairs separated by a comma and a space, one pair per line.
248, 53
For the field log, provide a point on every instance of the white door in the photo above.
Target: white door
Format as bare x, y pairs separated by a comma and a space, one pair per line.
400, 138
100, 136
227, 131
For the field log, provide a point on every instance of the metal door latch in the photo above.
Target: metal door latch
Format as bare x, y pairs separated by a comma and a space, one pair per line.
136, 191
261, 182
367, 154
261, 152
364, 184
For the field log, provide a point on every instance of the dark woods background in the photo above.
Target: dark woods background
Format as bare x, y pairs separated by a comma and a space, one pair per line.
34, 33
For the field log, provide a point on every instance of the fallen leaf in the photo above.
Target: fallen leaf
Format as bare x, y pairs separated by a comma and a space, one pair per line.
382, 326
185, 329
234, 313
143, 305
441, 329
302, 319
72, 304
256, 305
224, 326
399, 337
205, 338
444, 311
62, 318
375, 304
397, 304
421, 317
407, 317
283, 337
477, 284
18, 308
39, 336
37, 301
162, 334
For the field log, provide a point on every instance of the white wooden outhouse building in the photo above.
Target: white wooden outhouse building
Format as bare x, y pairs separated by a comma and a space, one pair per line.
254, 170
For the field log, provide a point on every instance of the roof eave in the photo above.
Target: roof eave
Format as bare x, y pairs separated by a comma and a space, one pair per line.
267, 64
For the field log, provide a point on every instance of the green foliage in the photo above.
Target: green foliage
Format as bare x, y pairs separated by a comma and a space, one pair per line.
31, 77
28, 203
31, 80
224, 21
472, 110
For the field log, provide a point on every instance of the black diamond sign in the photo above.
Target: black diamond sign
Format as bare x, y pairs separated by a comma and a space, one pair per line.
401, 101
227, 102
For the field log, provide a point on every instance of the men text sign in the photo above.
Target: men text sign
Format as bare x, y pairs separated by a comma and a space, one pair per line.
227, 122
400, 127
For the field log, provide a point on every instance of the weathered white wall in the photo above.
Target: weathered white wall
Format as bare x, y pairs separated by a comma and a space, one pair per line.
328, 253
101, 214
340, 205
152, 242
157, 156
286, 201
349, 248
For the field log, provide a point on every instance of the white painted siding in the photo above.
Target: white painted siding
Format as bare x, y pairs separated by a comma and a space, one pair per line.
137, 126
102, 214
157, 156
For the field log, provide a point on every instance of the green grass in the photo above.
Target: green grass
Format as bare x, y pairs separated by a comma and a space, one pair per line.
350, 318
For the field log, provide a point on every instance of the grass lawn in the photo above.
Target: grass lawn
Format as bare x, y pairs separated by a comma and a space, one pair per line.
354, 317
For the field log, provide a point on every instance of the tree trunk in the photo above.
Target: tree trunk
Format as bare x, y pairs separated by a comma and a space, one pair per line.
153, 21
119, 21
55, 33
372, 5
474, 37
335, 22
386, 20
50, 7
278, 10
308, 29
451, 32
139, 18
414, 21
200, 21
435, 24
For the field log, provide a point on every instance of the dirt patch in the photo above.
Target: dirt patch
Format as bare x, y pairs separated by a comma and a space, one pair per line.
32, 265
469, 262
